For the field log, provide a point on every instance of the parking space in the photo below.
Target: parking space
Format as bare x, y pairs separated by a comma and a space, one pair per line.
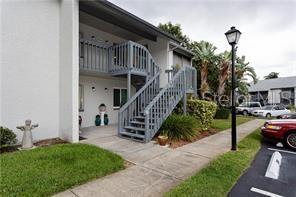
254, 183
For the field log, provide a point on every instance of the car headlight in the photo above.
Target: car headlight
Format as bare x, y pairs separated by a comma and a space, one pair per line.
274, 127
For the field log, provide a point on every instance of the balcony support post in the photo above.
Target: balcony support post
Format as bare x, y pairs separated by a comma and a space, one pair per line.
129, 84
185, 95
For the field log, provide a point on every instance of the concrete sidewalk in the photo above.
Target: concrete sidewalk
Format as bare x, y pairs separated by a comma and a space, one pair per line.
157, 169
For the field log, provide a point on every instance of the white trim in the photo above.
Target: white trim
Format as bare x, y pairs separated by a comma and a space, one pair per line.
266, 193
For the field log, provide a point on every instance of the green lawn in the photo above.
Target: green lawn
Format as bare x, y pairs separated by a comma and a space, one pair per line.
220, 175
222, 124
48, 170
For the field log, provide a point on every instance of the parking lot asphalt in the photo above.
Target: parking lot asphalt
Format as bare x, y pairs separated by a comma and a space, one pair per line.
254, 177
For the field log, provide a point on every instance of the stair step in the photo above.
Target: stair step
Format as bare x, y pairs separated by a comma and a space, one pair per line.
135, 128
139, 117
137, 122
132, 134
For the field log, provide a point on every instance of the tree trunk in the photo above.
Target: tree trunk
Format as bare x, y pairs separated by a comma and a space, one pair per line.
223, 76
204, 79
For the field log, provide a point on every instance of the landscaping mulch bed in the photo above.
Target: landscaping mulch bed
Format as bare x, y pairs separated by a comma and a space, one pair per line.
49, 142
200, 135
41, 143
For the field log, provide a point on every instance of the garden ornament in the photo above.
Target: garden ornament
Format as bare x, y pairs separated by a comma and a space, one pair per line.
27, 142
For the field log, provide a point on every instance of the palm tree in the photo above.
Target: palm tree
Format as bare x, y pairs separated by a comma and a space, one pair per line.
272, 75
204, 56
224, 67
242, 69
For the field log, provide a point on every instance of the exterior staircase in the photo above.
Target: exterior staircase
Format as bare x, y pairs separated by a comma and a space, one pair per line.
142, 115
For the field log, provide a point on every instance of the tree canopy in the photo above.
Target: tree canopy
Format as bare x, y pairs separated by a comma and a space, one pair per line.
214, 68
272, 75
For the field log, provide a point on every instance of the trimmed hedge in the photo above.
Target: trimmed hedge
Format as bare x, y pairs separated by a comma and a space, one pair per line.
180, 127
203, 110
222, 113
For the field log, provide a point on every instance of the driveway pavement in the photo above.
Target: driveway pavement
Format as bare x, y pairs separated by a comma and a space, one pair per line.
254, 177
157, 169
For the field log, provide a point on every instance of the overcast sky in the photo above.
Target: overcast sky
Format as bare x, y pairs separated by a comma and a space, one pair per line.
268, 27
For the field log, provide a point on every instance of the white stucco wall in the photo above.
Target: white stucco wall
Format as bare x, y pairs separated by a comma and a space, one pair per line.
30, 66
274, 96
34, 78
69, 70
92, 99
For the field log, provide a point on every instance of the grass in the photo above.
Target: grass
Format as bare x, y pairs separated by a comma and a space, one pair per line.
220, 175
46, 171
222, 124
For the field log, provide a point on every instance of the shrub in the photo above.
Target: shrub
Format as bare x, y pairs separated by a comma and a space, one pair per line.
7, 137
203, 110
222, 113
180, 127
291, 107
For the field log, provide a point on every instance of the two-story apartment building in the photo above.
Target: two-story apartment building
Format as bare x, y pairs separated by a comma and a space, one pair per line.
62, 59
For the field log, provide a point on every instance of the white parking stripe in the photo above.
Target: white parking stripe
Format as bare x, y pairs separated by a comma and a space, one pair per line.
284, 151
266, 193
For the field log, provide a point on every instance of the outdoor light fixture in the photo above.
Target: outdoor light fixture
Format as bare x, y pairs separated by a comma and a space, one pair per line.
233, 36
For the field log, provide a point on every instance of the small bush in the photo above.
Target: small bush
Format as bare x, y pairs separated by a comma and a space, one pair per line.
180, 127
291, 107
7, 137
203, 110
222, 113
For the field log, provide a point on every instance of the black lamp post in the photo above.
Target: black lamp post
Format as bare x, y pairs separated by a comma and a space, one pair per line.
233, 36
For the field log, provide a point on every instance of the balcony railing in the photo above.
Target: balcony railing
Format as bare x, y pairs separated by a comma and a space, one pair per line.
121, 58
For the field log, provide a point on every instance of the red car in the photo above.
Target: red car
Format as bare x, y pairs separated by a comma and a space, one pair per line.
283, 130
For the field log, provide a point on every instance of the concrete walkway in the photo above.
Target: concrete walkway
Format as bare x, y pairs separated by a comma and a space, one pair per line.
157, 169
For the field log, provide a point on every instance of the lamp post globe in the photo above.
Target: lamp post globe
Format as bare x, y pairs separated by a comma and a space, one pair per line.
233, 36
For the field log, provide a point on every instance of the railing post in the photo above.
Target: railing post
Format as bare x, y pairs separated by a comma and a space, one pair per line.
119, 123
185, 96
147, 130
195, 82
130, 61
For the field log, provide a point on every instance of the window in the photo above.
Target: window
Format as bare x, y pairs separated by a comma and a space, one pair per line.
254, 105
119, 97
81, 98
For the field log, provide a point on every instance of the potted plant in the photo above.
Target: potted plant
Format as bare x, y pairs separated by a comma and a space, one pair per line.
163, 138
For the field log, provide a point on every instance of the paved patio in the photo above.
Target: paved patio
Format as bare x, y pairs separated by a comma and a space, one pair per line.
157, 169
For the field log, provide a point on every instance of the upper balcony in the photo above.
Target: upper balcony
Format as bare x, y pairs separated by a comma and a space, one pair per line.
119, 59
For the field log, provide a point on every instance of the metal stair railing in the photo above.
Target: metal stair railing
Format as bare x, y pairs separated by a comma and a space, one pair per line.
141, 60
163, 104
137, 103
133, 56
